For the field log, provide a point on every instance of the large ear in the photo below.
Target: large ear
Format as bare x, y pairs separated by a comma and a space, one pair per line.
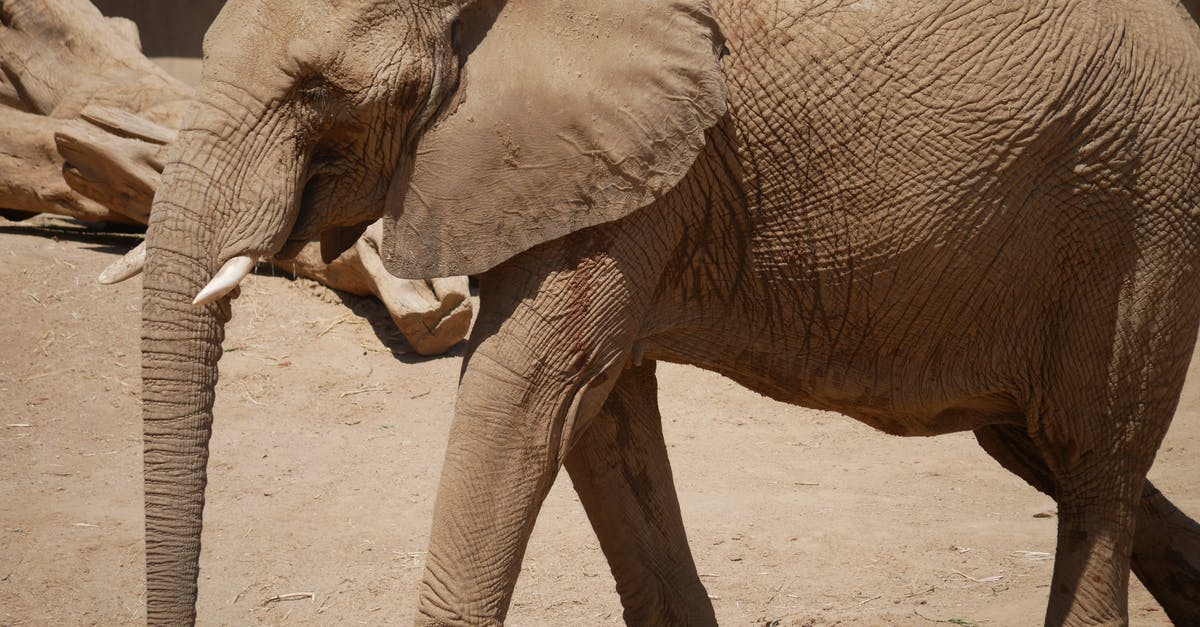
572, 113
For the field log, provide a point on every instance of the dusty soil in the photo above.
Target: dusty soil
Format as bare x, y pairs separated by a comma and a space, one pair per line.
329, 440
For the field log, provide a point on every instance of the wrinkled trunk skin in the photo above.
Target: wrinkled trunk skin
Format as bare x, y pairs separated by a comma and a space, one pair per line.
181, 344
214, 203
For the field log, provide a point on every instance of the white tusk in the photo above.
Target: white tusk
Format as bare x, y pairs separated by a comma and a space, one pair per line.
126, 267
225, 279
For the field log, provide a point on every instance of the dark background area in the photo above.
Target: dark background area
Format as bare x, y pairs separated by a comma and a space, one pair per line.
169, 28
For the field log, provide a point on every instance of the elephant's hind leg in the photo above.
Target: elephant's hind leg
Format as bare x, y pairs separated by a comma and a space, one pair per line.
1166, 543
1097, 501
1098, 406
1166, 556
621, 472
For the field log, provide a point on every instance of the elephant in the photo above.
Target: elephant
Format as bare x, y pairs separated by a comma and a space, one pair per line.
929, 216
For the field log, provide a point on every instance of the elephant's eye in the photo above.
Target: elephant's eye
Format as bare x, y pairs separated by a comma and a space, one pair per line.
315, 92
325, 106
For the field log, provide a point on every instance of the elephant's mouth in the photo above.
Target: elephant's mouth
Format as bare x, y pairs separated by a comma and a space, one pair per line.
339, 200
326, 208
302, 231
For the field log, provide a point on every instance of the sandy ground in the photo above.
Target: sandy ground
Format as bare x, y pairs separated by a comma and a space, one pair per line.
329, 440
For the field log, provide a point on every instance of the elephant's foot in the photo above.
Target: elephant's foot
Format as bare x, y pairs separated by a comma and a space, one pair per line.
1166, 556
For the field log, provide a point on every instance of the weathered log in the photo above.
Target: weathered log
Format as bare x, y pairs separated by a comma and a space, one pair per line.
58, 58
9, 98
116, 159
31, 171
61, 56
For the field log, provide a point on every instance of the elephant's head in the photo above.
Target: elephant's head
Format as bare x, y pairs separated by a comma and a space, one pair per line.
477, 129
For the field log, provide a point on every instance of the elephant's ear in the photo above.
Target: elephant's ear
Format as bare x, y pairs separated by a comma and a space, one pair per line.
571, 113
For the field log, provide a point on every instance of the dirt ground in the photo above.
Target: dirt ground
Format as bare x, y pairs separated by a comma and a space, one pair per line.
329, 440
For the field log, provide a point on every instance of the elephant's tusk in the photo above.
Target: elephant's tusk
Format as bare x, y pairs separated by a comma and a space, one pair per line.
225, 279
126, 267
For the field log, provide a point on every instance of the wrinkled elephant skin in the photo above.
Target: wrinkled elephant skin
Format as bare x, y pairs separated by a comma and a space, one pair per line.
930, 216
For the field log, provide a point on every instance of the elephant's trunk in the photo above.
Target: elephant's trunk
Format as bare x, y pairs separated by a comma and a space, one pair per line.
212, 205
181, 344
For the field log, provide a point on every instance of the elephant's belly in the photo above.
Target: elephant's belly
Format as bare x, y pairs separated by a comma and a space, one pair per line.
960, 393
914, 413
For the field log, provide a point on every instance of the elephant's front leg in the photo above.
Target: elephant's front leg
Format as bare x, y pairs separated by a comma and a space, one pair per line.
552, 337
621, 472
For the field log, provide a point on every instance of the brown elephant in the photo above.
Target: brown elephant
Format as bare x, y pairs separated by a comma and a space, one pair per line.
930, 216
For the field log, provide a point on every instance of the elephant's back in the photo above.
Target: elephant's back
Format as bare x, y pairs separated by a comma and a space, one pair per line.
859, 121
938, 178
